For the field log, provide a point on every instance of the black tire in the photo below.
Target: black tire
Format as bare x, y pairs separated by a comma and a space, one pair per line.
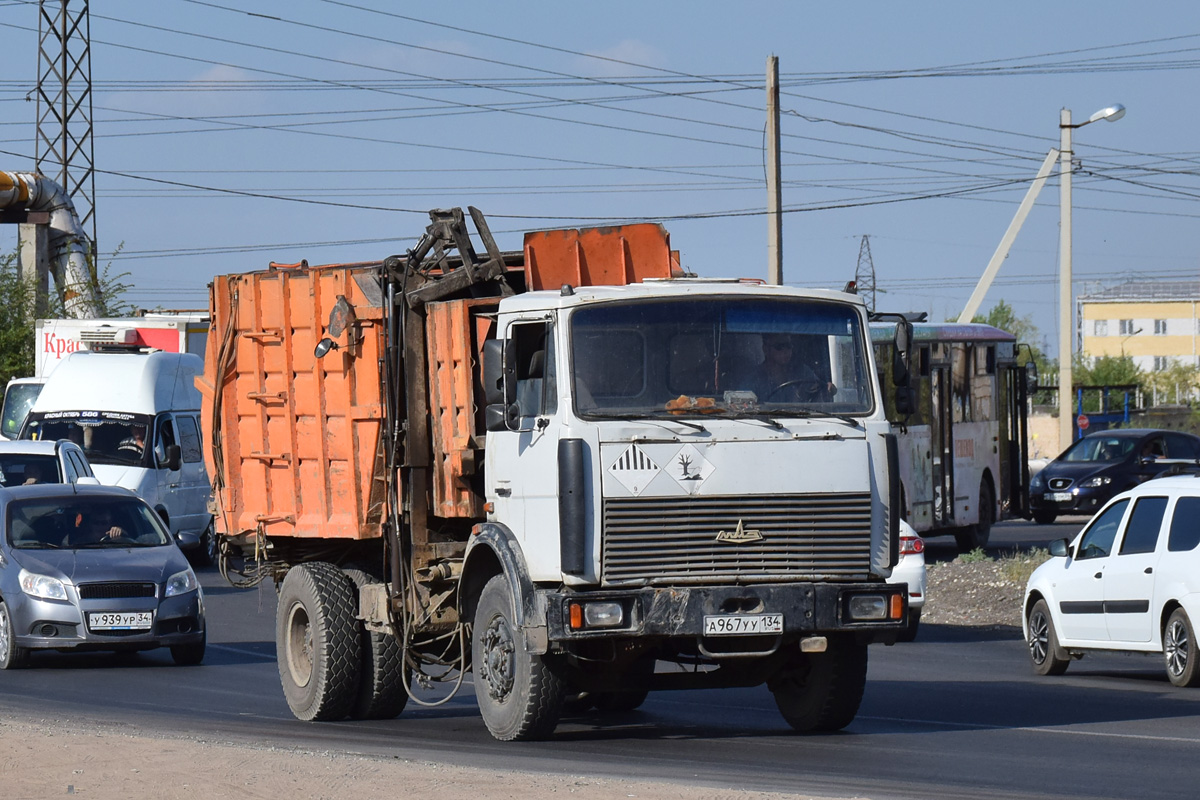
1179, 650
1045, 517
188, 655
383, 685
909, 634
1043, 642
317, 642
11, 656
821, 692
520, 697
209, 552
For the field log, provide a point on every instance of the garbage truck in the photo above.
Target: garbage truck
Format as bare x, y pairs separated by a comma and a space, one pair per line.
561, 469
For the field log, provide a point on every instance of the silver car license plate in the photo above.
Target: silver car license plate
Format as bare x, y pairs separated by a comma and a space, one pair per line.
742, 624
120, 620
1058, 497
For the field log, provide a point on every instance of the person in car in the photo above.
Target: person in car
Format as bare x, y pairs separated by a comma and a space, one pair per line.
95, 526
134, 444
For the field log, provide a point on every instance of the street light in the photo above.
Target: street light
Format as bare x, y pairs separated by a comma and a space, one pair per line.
1066, 410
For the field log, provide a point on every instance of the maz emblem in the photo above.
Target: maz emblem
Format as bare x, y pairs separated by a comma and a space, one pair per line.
739, 535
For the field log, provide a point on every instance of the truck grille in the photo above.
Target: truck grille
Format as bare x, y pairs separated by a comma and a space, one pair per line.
666, 541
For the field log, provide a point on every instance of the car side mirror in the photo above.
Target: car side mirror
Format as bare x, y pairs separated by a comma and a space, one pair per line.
1059, 548
174, 457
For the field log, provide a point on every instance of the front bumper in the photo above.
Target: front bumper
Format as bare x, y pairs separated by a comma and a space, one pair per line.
1075, 500
807, 608
62, 625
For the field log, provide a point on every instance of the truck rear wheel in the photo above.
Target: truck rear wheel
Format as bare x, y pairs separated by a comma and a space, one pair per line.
519, 696
820, 692
317, 642
383, 684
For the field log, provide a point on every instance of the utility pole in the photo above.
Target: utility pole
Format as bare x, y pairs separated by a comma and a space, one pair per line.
864, 274
774, 191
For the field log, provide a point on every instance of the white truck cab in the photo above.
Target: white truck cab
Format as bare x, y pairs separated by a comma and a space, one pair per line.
136, 415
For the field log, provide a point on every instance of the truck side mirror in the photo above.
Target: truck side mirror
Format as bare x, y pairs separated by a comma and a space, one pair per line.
1031, 376
901, 353
906, 400
174, 457
500, 385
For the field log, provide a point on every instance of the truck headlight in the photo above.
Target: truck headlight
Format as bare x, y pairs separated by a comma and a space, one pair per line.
42, 586
861, 607
596, 614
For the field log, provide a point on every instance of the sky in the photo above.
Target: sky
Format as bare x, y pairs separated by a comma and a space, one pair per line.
227, 135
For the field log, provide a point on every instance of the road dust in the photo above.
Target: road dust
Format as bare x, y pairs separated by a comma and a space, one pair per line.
55, 758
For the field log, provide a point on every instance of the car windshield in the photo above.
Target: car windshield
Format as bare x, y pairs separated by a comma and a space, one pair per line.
82, 521
717, 355
19, 469
106, 437
1100, 449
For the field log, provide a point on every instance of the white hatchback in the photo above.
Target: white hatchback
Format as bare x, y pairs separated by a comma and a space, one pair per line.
910, 570
1130, 581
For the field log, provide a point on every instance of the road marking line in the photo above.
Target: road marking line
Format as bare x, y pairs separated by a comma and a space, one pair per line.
1059, 731
240, 650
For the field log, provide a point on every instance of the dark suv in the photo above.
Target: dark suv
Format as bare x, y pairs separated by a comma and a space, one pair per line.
1102, 464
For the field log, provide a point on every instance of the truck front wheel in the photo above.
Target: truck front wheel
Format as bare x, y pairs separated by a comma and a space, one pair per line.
519, 696
820, 692
317, 642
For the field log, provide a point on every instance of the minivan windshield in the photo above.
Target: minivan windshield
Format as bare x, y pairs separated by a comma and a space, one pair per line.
1100, 449
83, 522
107, 437
699, 355
19, 398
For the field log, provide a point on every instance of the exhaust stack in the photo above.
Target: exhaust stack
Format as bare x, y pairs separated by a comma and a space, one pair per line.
68, 243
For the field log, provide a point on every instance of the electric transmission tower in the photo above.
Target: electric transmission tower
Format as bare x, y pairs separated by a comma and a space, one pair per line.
64, 150
864, 275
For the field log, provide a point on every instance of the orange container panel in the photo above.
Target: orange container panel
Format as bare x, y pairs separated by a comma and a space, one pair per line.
297, 440
598, 256
457, 330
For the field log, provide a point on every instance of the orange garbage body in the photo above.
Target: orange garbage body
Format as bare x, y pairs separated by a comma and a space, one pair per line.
598, 256
293, 439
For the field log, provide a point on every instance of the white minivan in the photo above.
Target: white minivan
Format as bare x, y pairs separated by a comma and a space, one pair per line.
137, 417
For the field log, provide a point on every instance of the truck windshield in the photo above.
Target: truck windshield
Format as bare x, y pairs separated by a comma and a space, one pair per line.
106, 437
719, 355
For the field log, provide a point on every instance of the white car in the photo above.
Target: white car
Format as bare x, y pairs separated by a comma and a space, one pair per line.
25, 462
910, 569
1130, 581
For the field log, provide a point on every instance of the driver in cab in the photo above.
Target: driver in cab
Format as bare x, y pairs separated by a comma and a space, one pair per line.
785, 377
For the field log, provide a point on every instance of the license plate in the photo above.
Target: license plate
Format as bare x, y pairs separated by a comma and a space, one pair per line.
1058, 497
742, 624
120, 620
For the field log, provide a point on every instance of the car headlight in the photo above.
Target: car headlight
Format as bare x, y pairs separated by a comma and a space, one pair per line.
42, 586
182, 583
1036, 481
1098, 480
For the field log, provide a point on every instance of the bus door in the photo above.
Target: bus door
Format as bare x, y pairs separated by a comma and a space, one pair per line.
1014, 444
941, 445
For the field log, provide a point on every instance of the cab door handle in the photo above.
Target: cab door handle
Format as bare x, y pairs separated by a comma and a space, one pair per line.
1098, 575
1149, 570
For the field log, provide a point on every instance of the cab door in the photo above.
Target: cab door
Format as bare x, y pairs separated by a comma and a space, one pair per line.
1129, 582
183, 491
523, 461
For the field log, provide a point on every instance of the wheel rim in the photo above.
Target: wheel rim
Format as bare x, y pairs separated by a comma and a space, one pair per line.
1176, 647
1039, 637
5, 644
298, 642
498, 652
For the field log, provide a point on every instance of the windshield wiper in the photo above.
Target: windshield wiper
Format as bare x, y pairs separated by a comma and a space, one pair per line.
808, 413
757, 417
656, 413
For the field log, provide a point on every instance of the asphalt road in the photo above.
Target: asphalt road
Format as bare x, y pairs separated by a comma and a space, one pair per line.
957, 714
